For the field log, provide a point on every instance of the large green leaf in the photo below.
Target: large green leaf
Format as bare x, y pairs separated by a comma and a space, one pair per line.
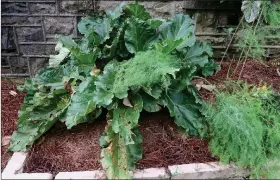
150, 104
139, 36
104, 93
84, 55
117, 158
96, 29
82, 104
117, 12
198, 54
38, 114
136, 10
125, 119
183, 78
186, 111
251, 10
154, 91
210, 67
121, 141
55, 60
168, 45
180, 27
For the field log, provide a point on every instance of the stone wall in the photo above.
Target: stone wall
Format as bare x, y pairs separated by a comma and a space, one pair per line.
29, 26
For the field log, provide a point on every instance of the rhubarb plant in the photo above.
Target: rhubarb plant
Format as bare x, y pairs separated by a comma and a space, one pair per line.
126, 62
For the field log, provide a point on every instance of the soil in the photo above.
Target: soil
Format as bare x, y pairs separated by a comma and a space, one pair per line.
163, 143
78, 149
9, 115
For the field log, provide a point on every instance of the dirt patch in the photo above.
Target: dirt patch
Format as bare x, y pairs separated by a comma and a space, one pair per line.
9, 115
78, 149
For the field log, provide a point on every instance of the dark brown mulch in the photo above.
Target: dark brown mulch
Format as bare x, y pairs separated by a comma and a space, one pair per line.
78, 149
164, 144
9, 115
67, 150
254, 73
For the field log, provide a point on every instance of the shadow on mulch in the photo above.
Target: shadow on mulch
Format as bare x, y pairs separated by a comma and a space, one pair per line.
9, 115
78, 149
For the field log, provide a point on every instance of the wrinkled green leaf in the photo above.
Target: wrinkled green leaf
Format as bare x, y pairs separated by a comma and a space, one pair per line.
104, 93
198, 54
139, 36
185, 110
82, 104
121, 141
96, 29
168, 45
55, 60
155, 23
38, 114
84, 56
184, 77
251, 10
118, 159
209, 68
180, 27
154, 91
126, 118
137, 11
117, 12
150, 104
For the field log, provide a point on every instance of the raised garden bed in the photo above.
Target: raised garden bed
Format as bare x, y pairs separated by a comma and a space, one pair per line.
62, 150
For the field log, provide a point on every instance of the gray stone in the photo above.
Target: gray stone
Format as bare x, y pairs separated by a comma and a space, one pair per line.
36, 64
16, 20
190, 4
33, 176
59, 25
81, 175
213, 170
160, 9
42, 8
151, 173
7, 40
214, 41
26, 34
206, 22
107, 5
37, 49
82, 6
20, 65
13, 7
